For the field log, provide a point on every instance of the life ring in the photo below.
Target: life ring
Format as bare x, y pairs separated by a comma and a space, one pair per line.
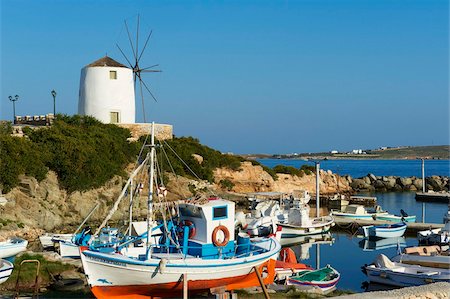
226, 234
192, 230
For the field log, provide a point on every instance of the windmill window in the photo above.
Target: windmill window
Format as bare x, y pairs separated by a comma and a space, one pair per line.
115, 117
113, 75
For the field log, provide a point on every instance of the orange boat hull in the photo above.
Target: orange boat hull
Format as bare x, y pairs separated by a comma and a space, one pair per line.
194, 286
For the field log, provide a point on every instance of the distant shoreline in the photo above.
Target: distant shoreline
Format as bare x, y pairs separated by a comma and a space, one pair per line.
438, 152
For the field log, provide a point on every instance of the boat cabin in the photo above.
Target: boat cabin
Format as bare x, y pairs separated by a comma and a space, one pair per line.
208, 227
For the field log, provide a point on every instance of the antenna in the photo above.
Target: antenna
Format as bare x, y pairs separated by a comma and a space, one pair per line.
136, 59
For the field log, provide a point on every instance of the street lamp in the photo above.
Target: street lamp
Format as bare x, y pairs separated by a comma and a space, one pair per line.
13, 100
54, 102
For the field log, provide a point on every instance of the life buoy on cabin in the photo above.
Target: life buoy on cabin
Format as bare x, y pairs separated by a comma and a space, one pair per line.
226, 234
192, 230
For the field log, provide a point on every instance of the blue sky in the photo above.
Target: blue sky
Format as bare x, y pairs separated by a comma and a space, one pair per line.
248, 76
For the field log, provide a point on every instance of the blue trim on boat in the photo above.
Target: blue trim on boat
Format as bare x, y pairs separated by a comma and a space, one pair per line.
143, 263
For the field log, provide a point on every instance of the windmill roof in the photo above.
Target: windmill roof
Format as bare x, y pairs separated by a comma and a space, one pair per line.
106, 61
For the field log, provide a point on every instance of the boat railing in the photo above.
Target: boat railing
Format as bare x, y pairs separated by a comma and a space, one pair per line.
240, 250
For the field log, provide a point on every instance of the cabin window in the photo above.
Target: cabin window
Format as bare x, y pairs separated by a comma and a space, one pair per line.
190, 211
115, 117
113, 75
220, 213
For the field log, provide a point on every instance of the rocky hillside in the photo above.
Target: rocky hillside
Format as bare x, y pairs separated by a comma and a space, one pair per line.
45, 206
253, 178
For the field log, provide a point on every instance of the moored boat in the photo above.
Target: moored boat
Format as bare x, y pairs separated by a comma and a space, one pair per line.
428, 256
404, 217
49, 239
355, 211
325, 279
207, 259
11, 247
399, 274
438, 236
384, 230
6, 268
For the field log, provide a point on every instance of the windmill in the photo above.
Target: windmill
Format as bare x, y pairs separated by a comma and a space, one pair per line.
134, 64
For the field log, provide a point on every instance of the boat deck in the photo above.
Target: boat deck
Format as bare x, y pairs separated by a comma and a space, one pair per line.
413, 227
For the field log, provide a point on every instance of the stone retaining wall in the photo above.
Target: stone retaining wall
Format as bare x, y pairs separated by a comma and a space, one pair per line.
371, 182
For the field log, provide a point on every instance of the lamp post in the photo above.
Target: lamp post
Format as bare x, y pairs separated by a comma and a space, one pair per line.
54, 102
423, 189
317, 188
13, 100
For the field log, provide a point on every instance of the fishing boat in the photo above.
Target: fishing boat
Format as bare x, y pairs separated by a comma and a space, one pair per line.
404, 217
196, 251
428, 256
384, 271
6, 268
300, 224
324, 279
49, 239
12, 247
384, 230
381, 244
438, 236
355, 211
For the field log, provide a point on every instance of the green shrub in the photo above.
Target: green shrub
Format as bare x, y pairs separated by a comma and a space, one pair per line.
226, 184
308, 169
287, 170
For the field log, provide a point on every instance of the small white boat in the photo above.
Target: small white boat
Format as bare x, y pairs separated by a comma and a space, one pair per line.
428, 256
324, 279
385, 271
48, 239
6, 268
438, 236
404, 217
381, 244
384, 230
11, 247
300, 224
354, 211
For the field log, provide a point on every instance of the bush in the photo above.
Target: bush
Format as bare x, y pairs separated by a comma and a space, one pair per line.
287, 170
226, 184
83, 152
308, 169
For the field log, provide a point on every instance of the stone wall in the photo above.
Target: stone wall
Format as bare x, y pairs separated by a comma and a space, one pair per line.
371, 182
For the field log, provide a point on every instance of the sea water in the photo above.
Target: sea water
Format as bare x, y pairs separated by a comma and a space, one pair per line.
360, 168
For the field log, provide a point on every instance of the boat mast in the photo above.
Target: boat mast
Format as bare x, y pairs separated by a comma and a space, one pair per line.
150, 190
131, 207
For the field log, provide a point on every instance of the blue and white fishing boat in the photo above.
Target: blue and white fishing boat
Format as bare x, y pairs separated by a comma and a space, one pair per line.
355, 211
197, 249
384, 230
404, 217
6, 268
384, 271
12, 247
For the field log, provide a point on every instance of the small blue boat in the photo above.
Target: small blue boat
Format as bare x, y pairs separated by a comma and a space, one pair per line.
385, 230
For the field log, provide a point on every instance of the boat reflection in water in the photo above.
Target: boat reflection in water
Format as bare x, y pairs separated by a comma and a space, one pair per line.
371, 245
301, 245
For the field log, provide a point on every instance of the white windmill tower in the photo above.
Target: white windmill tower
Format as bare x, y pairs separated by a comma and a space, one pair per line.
107, 87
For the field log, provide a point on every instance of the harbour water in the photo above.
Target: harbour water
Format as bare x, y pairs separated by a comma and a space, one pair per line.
348, 253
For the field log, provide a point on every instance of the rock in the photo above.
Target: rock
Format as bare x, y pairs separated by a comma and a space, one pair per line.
367, 180
379, 185
397, 187
404, 181
372, 177
418, 184
411, 188
435, 183
198, 158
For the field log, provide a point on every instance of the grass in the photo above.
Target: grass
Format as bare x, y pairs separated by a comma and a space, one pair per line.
28, 272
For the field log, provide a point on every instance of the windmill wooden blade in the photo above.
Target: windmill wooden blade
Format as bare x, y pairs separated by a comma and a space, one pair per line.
129, 38
131, 66
145, 45
149, 67
150, 71
142, 99
146, 87
137, 41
